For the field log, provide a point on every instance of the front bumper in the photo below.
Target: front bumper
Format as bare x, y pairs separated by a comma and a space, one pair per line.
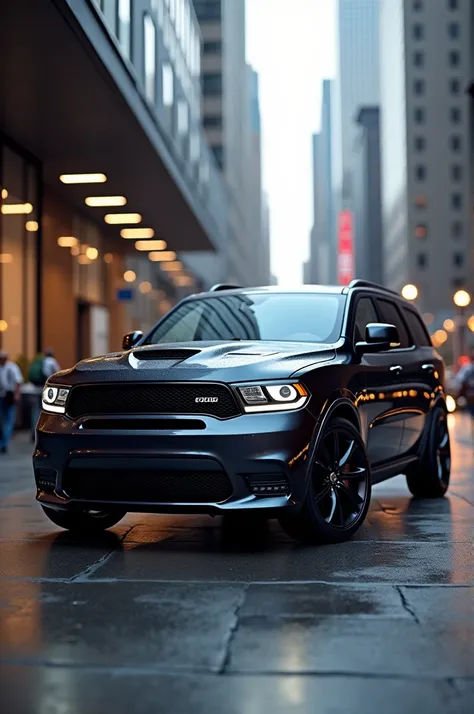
247, 450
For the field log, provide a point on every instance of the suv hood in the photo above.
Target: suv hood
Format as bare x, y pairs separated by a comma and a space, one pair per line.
206, 361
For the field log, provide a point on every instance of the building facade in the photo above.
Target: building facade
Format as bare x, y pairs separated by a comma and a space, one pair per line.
367, 197
229, 113
426, 62
104, 183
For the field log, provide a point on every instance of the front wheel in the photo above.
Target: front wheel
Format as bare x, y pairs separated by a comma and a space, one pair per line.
429, 478
339, 489
84, 521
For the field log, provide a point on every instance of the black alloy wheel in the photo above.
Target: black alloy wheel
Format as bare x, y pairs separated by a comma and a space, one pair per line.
339, 488
429, 478
84, 522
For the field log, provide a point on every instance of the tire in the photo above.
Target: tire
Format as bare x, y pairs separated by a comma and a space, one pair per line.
429, 478
84, 521
339, 488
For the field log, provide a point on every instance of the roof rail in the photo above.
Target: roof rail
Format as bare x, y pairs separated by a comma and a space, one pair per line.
369, 284
223, 286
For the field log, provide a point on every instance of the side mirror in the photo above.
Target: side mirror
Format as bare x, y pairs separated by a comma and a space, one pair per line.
131, 339
379, 337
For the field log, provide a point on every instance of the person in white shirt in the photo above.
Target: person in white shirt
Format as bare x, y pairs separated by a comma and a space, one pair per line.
48, 366
10, 381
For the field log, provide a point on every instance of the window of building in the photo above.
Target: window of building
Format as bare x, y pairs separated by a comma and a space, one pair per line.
19, 181
208, 10
149, 49
457, 229
213, 121
454, 58
168, 84
183, 117
418, 31
458, 260
419, 115
455, 115
419, 86
416, 327
453, 4
390, 314
456, 172
455, 86
422, 260
421, 231
212, 48
456, 143
454, 30
124, 26
219, 155
212, 85
456, 200
420, 143
418, 58
417, 5
420, 172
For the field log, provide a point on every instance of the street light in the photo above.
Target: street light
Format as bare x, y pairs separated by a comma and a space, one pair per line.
410, 292
461, 299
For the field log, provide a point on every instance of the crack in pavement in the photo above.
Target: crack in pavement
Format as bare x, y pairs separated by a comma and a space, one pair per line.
232, 631
406, 605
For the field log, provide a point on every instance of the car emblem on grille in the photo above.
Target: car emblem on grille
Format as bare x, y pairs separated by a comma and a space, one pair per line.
206, 400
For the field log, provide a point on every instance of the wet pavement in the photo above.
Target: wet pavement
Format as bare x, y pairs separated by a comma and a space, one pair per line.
189, 614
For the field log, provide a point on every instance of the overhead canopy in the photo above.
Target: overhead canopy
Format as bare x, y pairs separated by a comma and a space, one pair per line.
67, 96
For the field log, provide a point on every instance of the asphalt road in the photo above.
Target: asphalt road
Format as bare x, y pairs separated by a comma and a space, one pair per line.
185, 614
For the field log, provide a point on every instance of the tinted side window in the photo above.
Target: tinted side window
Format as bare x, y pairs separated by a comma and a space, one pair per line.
365, 313
390, 314
417, 328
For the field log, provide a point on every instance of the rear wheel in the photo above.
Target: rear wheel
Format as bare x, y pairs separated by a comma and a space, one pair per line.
339, 489
84, 521
429, 478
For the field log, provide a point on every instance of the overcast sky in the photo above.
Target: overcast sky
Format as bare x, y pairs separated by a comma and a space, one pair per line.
291, 44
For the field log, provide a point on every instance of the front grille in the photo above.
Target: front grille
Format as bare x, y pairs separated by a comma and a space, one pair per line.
127, 486
152, 398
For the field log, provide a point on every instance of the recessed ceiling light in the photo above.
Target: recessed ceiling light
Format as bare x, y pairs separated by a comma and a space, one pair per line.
173, 266
162, 256
118, 218
67, 241
16, 208
4, 193
31, 226
150, 245
6, 258
137, 233
83, 178
92, 253
102, 201
129, 276
145, 287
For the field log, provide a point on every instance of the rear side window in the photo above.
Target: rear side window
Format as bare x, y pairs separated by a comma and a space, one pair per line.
364, 314
417, 328
390, 314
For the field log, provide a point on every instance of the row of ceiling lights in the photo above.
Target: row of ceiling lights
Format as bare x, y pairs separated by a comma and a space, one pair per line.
143, 235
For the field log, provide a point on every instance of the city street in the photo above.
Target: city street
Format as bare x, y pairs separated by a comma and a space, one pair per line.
181, 614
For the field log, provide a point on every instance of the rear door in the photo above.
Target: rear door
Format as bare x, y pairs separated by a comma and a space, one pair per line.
381, 422
410, 390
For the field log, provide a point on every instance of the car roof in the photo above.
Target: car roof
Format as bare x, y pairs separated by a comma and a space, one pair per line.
276, 289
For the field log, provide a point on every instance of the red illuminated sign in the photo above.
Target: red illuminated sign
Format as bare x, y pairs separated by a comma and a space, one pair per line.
345, 248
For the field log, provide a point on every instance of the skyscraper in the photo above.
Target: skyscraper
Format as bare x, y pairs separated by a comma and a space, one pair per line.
357, 85
426, 148
227, 121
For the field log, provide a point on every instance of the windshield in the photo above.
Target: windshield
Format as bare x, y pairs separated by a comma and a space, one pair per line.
287, 317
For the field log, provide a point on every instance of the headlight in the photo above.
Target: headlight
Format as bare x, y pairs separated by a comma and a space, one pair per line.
54, 399
273, 397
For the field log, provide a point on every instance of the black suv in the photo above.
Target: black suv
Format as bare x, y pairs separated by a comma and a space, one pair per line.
283, 402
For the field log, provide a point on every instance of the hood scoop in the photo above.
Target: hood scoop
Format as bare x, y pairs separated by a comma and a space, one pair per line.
167, 355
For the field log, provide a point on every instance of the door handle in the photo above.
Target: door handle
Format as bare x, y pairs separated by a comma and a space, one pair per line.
397, 368
428, 367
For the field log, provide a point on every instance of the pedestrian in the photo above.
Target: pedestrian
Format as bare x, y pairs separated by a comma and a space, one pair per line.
10, 381
465, 384
42, 367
